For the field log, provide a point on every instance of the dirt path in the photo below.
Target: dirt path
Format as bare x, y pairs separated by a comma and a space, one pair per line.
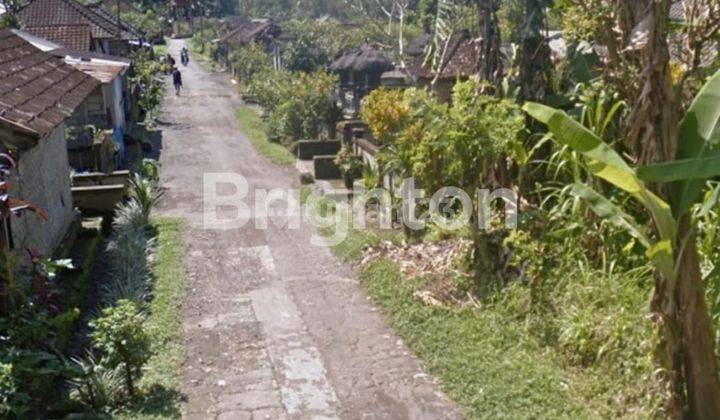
274, 327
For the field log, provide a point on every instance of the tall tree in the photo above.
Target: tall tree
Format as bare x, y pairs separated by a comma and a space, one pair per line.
490, 67
534, 55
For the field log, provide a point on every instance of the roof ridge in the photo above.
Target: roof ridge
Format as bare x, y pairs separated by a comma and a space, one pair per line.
85, 10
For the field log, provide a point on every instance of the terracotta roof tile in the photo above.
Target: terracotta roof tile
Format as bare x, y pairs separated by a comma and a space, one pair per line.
70, 12
37, 90
250, 31
75, 37
461, 60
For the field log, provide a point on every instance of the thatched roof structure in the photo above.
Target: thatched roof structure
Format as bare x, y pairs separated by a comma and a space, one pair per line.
367, 59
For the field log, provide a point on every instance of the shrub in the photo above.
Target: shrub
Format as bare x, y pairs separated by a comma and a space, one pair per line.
129, 250
351, 165
119, 335
96, 386
270, 88
386, 112
13, 403
299, 104
249, 61
144, 192
306, 178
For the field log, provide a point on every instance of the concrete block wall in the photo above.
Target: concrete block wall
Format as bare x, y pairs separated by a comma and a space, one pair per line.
43, 180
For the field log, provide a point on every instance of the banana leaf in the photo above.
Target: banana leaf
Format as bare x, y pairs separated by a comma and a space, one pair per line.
698, 138
609, 211
603, 162
681, 170
660, 255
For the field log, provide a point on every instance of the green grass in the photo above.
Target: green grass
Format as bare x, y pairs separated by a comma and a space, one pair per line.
161, 379
587, 356
484, 361
202, 57
254, 127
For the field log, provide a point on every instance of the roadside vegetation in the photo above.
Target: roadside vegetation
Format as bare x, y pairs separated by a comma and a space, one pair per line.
162, 374
574, 311
74, 345
203, 49
255, 128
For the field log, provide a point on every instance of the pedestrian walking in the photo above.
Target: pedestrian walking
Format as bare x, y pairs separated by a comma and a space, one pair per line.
177, 80
184, 56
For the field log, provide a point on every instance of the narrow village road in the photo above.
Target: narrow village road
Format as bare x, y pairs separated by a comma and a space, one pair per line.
274, 327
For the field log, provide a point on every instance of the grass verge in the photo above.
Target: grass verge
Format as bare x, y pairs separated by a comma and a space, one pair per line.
493, 358
203, 59
161, 380
254, 127
485, 362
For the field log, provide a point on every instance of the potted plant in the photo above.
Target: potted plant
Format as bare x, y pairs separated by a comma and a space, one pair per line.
351, 165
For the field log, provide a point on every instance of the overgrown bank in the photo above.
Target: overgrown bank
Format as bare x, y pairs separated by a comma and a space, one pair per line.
573, 342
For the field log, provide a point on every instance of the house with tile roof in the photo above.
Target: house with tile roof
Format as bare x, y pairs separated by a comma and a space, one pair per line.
75, 37
458, 63
106, 107
69, 23
261, 31
39, 92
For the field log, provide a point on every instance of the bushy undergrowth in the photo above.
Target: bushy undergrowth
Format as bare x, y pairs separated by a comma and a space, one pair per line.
118, 335
298, 104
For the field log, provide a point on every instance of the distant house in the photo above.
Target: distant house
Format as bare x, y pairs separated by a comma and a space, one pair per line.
261, 31
38, 92
70, 23
359, 73
459, 62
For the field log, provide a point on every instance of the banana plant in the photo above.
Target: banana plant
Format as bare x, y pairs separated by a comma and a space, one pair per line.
671, 250
698, 159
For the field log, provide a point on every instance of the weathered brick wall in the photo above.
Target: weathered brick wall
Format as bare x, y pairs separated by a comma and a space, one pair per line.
44, 180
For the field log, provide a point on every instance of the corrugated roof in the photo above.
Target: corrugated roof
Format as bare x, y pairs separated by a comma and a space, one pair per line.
104, 72
37, 90
87, 55
76, 37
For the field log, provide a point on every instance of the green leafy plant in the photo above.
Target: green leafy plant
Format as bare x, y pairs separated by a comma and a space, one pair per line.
351, 165
96, 386
145, 193
249, 61
120, 337
678, 302
13, 402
